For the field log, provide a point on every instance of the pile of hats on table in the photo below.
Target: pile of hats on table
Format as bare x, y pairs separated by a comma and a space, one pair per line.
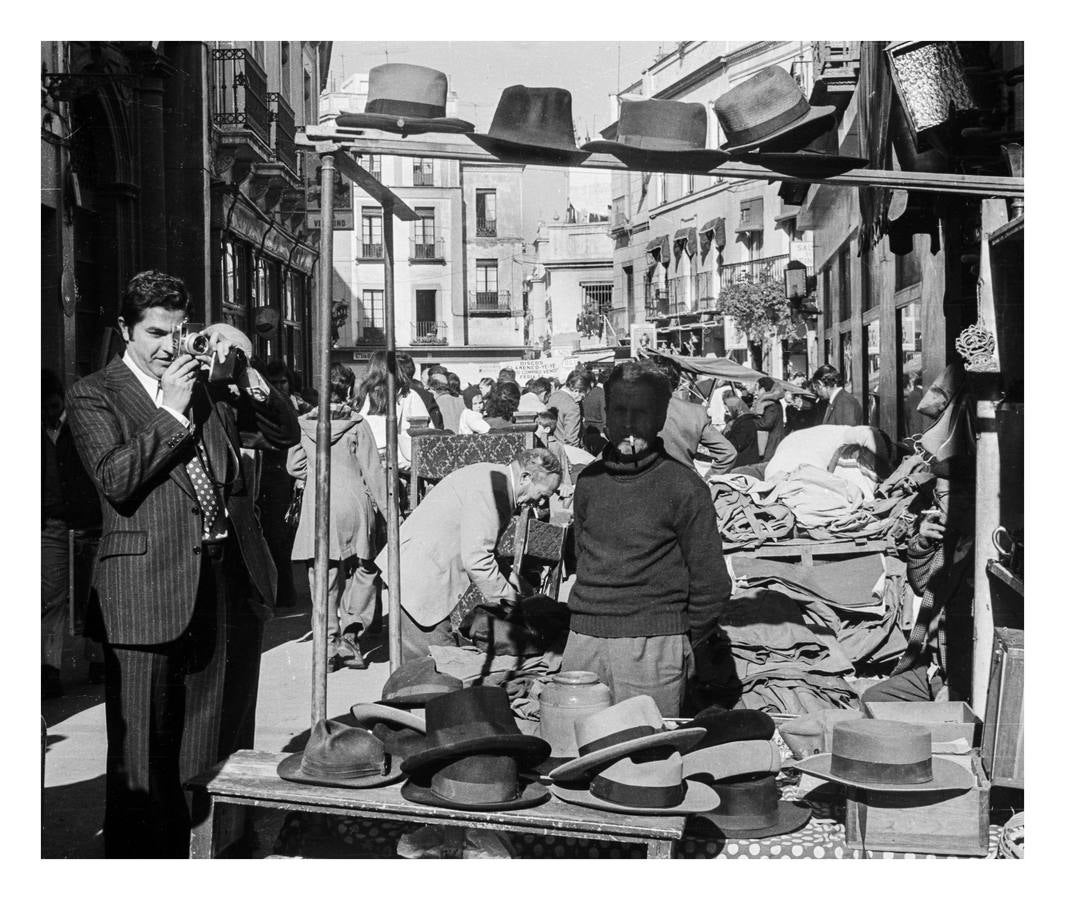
467, 753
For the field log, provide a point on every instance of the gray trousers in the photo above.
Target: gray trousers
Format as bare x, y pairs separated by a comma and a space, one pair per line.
658, 666
351, 594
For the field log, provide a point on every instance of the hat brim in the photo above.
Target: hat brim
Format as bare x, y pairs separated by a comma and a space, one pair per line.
527, 154
680, 739
946, 776
698, 798
790, 817
803, 165
681, 161
532, 794
289, 769
817, 121
416, 699
368, 714
411, 124
528, 749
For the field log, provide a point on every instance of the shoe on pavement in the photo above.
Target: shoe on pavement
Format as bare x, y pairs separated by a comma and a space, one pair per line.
350, 655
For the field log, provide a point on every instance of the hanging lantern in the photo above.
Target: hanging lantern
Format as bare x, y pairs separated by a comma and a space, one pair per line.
795, 281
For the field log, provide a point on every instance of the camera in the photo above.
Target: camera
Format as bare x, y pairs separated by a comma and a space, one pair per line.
187, 340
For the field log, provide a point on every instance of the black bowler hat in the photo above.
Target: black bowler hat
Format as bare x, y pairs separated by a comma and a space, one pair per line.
751, 808
476, 720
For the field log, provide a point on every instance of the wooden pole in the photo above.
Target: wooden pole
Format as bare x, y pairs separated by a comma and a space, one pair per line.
320, 599
392, 440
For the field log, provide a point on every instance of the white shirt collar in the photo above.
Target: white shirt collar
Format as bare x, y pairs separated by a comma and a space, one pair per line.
834, 393
150, 384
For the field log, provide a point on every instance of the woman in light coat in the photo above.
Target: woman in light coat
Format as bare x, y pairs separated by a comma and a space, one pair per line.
356, 498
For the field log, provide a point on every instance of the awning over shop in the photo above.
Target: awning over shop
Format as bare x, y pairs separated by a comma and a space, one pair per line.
657, 250
712, 231
724, 370
684, 241
751, 215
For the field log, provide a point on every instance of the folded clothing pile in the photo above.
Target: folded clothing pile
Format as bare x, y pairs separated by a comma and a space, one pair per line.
744, 519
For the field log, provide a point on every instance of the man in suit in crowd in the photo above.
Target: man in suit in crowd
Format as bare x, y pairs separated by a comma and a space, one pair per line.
183, 577
449, 542
688, 434
841, 408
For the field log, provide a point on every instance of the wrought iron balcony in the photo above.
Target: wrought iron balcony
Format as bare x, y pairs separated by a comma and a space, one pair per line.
428, 332
678, 290
771, 268
283, 133
655, 301
426, 251
704, 292
371, 251
239, 108
488, 303
486, 227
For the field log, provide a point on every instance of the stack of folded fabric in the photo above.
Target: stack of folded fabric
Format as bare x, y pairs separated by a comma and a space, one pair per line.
630, 763
787, 660
744, 518
739, 759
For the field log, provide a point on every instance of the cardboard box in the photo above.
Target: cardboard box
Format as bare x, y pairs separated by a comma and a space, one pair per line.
950, 721
948, 823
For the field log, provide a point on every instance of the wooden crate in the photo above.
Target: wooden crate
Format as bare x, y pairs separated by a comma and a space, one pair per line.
949, 721
1003, 744
949, 823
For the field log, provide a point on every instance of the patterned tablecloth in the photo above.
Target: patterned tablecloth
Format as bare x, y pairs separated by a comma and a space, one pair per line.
823, 837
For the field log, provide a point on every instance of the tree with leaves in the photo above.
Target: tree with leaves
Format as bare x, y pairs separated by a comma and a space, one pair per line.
759, 308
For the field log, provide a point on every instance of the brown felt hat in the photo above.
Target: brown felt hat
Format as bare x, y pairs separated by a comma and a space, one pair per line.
485, 782
405, 99
661, 136
337, 755
417, 682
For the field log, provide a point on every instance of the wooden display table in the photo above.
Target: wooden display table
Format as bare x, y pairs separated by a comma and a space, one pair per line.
249, 778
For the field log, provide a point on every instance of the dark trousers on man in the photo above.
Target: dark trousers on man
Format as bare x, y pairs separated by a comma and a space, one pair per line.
175, 709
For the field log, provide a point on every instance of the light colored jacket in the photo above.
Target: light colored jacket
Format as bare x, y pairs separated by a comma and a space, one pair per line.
449, 541
356, 487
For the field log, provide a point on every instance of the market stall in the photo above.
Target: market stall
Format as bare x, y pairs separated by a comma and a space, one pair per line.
489, 768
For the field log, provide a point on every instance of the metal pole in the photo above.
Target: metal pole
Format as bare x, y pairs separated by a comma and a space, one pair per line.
320, 599
392, 451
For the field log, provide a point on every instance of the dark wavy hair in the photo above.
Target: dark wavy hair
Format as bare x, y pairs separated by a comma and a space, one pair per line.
374, 385
341, 381
503, 401
152, 288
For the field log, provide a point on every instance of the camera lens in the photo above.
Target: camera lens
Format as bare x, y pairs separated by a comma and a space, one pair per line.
197, 344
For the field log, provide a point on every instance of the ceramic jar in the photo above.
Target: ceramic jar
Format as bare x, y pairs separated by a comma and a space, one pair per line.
569, 696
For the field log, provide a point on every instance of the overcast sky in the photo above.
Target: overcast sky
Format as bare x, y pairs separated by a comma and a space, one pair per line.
478, 71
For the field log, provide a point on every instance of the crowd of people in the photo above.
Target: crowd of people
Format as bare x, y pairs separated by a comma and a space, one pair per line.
193, 502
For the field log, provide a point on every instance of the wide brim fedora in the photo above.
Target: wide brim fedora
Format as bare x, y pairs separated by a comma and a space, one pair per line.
698, 798
403, 124
802, 164
790, 817
798, 133
946, 776
679, 161
533, 793
528, 749
289, 769
528, 154
367, 714
680, 739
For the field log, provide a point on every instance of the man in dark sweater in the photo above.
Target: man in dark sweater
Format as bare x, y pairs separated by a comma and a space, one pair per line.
650, 571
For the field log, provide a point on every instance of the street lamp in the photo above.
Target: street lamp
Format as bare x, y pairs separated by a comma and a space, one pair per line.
795, 282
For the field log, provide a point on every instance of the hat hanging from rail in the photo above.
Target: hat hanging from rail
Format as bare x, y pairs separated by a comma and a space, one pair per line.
405, 99
661, 136
768, 121
531, 126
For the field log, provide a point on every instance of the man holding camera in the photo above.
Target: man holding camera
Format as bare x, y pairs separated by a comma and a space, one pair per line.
183, 577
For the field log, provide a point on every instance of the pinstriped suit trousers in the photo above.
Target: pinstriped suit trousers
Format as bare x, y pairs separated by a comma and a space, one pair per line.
175, 709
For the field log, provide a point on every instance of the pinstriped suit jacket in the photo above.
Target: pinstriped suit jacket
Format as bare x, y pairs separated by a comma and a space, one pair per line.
148, 563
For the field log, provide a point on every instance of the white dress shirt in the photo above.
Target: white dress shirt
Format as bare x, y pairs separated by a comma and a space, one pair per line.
154, 388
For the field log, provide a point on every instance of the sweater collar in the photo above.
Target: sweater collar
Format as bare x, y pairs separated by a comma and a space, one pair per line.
618, 464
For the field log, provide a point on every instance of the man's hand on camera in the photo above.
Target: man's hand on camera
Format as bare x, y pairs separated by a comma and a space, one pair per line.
177, 382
